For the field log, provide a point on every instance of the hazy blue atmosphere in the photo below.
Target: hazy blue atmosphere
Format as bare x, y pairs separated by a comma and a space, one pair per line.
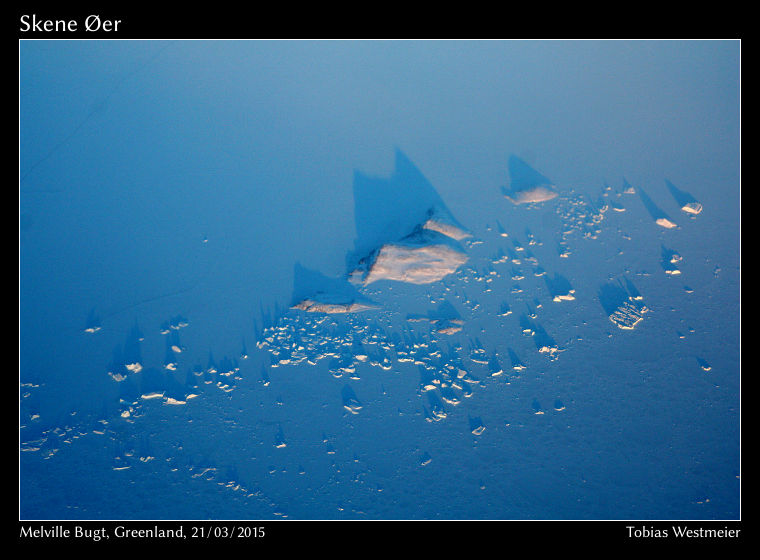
379, 280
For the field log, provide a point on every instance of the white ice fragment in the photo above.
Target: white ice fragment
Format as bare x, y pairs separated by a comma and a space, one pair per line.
536, 194
314, 306
666, 223
438, 224
416, 264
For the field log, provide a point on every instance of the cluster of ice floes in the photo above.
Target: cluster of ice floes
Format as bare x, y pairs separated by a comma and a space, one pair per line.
579, 217
478, 304
140, 383
349, 343
445, 319
308, 339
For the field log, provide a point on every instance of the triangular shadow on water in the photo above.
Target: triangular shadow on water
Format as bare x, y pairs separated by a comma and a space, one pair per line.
669, 260
526, 184
612, 295
93, 323
559, 287
315, 287
389, 209
685, 201
658, 215
443, 312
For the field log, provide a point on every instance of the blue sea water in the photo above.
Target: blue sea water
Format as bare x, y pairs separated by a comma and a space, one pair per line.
177, 198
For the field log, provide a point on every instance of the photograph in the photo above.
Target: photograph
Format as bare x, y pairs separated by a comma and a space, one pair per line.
413, 280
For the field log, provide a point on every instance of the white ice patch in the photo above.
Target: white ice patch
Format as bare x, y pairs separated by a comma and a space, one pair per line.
436, 223
314, 306
692, 208
666, 223
416, 264
536, 194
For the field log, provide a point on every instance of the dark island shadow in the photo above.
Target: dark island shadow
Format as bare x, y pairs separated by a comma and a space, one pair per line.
389, 209
526, 184
658, 215
335, 293
685, 201
612, 295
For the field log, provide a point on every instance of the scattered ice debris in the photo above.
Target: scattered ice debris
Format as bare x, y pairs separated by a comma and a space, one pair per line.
558, 405
446, 319
580, 217
703, 364
545, 344
174, 324
622, 303
527, 185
